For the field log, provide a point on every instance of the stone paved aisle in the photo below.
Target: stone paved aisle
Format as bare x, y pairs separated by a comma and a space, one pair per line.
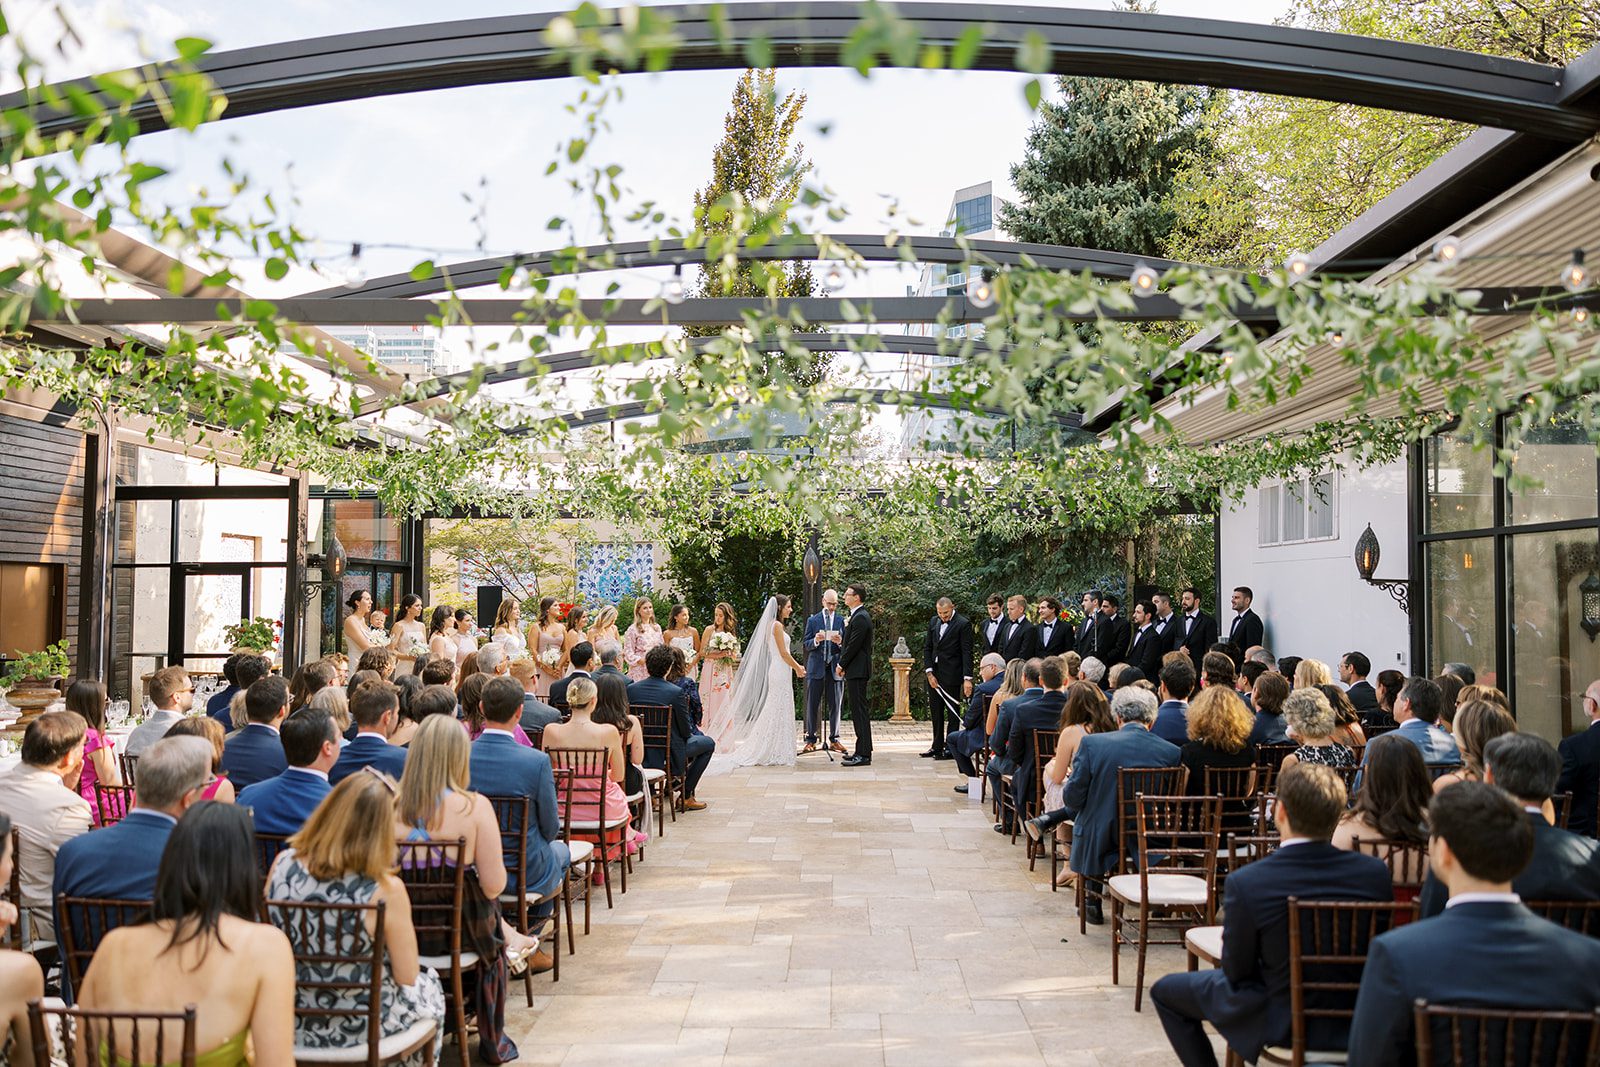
839, 917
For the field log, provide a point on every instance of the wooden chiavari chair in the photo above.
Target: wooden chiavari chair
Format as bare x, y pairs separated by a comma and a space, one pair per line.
511, 813
1044, 750
655, 720
591, 770
112, 803
1579, 916
1479, 1037
83, 922
95, 1038
1205, 942
435, 881
1131, 781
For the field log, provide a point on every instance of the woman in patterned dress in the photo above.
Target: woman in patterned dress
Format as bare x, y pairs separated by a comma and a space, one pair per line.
1311, 722
641, 637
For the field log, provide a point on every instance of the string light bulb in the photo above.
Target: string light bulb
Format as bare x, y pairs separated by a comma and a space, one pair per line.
833, 280
355, 275
1447, 248
980, 290
1144, 279
1298, 265
1580, 315
1575, 276
1336, 337
672, 289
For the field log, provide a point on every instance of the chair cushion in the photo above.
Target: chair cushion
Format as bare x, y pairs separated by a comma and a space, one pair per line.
442, 963
593, 825
1205, 940
1169, 890
654, 774
635, 798
1284, 1055
388, 1048
581, 850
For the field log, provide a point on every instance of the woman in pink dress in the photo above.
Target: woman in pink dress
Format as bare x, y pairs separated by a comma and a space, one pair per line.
716, 675
552, 634
641, 637
208, 729
88, 698
583, 732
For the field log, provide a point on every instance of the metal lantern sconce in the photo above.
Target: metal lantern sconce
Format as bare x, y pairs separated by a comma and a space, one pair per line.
332, 566
1589, 594
1367, 555
811, 571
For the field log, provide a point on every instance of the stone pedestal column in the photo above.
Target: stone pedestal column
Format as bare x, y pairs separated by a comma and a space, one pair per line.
902, 687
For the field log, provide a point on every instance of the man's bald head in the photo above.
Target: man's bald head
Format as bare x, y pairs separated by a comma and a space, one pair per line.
830, 598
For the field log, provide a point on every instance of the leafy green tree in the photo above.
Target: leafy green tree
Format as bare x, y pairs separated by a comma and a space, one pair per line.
524, 556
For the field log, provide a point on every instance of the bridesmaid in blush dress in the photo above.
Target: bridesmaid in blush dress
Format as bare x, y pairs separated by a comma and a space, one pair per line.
552, 634
716, 675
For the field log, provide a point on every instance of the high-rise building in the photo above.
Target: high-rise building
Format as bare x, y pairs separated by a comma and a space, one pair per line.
405, 349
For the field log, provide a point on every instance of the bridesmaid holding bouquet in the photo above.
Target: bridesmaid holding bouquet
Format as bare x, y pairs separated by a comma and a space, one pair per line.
719, 654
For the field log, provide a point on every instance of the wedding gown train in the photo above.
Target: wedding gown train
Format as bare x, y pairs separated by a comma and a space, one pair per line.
762, 706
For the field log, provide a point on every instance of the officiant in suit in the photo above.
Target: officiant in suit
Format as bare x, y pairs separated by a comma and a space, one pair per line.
947, 664
855, 667
822, 656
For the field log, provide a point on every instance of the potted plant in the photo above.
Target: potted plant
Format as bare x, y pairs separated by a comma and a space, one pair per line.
257, 636
31, 679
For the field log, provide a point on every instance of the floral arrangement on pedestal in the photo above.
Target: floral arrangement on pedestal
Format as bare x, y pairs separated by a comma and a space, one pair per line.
259, 635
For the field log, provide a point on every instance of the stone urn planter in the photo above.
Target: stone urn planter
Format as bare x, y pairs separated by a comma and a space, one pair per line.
32, 696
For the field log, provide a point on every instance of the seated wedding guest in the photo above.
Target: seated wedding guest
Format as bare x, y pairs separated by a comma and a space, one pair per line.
1580, 766
341, 667
1353, 670
691, 751
255, 754
172, 693
1012, 684
611, 707
1219, 736
503, 768
584, 730
358, 679
210, 731
610, 654
1476, 725
249, 670
438, 672
406, 689
1462, 671
471, 698
336, 702
582, 655
281, 805
120, 862
1310, 721
1287, 665
88, 698
1310, 673
1347, 720
1043, 712
378, 659
219, 703
1392, 802
344, 854
1217, 669
1085, 712
1388, 688
436, 802
493, 659
1417, 709
1092, 670
1091, 793
1114, 676
1172, 717
1485, 949
678, 675
1247, 996
434, 700
467, 668
1470, 693
1000, 763
203, 946
1268, 727
968, 741
536, 714
1449, 690
1245, 684
44, 810
308, 681
375, 707
21, 978
1563, 865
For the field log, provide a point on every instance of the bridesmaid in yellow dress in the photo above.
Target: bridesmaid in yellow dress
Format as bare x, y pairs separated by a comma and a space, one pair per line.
716, 675
548, 633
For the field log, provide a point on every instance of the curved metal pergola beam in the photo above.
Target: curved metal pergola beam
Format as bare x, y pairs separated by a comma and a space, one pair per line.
871, 247
639, 409
584, 359
1339, 68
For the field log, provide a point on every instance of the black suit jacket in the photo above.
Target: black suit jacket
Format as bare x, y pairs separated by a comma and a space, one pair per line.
1363, 696
1201, 636
1171, 633
1246, 630
1564, 866
1116, 647
558, 688
1580, 776
1092, 637
1485, 953
982, 631
1022, 640
1061, 638
1247, 997
661, 691
1042, 712
855, 652
949, 657
1144, 652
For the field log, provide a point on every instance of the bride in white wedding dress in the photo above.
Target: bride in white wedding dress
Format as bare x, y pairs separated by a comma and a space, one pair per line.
762, 702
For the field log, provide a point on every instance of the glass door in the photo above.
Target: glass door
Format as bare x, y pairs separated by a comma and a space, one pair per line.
206, 599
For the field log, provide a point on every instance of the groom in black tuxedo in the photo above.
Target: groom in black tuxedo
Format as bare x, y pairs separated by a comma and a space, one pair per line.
855, 667
947, 663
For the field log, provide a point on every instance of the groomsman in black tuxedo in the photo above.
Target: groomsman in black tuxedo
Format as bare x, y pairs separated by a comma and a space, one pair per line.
1169, 628
1145, 651
1092, 637
947, 664
992, 633
855, 667
1055, 635
1119, 635
1246, 630
1199, 629
1022, 641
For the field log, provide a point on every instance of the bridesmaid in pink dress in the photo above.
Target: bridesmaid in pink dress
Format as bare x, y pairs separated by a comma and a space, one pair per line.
641, 637
716, 676
552, 634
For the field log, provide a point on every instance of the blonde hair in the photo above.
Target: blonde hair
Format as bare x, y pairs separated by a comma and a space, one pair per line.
351, 831
1310, 672
440, 761
606, 616
522, 668
1219, 718
581, 693
206, 729
1309, 713
335, 700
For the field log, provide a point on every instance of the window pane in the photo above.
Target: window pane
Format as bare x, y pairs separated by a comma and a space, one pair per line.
364, 530
1461, 607
1267, 517
233, 531
1459, 485
144, 531
1294, 511
1552, 658
1560, 456
1320, 523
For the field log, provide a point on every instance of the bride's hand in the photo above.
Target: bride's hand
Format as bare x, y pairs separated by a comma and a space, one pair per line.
799, 671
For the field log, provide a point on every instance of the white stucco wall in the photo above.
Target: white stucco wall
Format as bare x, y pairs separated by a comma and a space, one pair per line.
1308, 594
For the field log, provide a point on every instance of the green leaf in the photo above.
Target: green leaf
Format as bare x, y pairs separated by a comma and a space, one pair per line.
422, 271
276, 268
1033, 92
1033, 54
966, 48
191, 48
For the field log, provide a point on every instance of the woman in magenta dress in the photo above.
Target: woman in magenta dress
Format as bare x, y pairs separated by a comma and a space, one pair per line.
88, 698
208, 729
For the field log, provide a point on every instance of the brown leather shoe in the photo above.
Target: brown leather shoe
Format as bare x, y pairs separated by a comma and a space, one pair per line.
837, 747
540, 962
691, 804
809, 748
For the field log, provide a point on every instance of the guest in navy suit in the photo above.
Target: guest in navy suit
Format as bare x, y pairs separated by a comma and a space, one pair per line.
1172, 717
281, 805
1247, 997
503, 768
1001, 764
255, 753
1353, 670
218, 706
1580, 767
691, 750
970, 739
375, 707
247, 671
1486, 949
1041, 712
581, 656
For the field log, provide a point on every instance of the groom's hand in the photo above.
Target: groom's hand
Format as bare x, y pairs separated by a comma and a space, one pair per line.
838, 672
